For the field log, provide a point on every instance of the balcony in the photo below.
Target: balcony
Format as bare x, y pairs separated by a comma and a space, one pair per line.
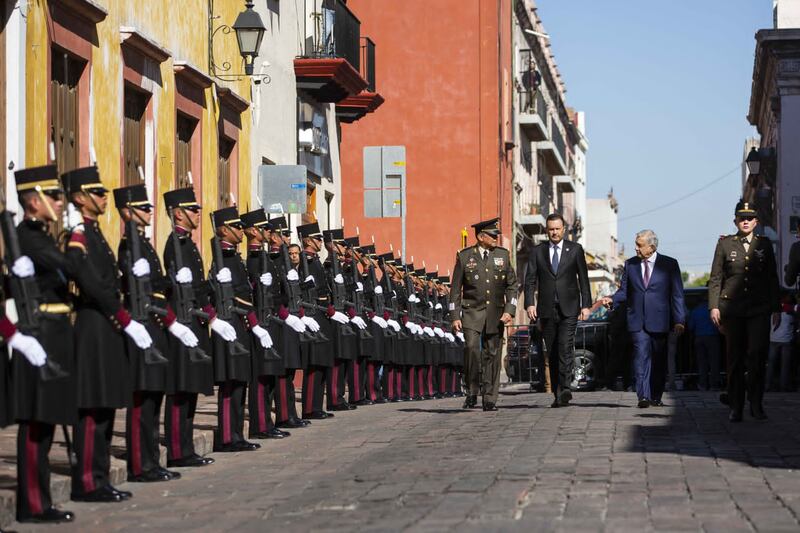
329, 65
367, 101
552, 156
532, 105
565, 183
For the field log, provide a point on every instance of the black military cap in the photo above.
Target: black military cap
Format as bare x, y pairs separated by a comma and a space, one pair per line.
309, 230
256, 219
432, 275
279, 222
133, 196
387, 258
181, 198
227, 216
352, 242
409, 267
333, 235
86, 179
745, 209
444, 279
490, 227
368, 249
420, 273
38, 178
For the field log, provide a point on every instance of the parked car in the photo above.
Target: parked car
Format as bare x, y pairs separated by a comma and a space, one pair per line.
524, 362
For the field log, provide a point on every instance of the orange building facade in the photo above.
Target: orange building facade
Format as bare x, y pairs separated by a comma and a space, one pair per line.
445, 72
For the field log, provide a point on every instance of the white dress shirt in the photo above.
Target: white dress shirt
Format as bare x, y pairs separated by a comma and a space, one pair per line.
553, 247
652, 261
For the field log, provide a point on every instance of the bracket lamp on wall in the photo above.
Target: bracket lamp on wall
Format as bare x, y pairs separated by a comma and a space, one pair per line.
249, 29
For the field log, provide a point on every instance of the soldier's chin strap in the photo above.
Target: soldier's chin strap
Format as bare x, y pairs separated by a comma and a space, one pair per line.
188, 219
50, 211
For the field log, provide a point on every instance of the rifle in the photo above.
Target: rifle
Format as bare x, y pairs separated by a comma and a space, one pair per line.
264, 304
391, 295
338, 290
26, 295
293, 289
185, 311
311, 295
358, 296
139, 288
223, 295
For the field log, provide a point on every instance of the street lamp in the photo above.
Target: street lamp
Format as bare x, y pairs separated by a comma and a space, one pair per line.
249, 31
753, 162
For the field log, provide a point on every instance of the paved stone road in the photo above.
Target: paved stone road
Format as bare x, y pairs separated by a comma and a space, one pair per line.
601, 464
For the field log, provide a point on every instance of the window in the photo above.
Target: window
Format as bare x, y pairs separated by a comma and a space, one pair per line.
133, 135
65, 73
183, 150
311, 203
224, 172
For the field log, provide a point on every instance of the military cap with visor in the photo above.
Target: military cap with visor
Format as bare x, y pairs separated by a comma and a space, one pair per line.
132, 196
256, 219
745, 209
227, 216
309, 231
183, 197
86, 179
44, 179
333, 235
489, 227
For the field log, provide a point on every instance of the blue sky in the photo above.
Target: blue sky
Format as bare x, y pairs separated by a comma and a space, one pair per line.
665, 87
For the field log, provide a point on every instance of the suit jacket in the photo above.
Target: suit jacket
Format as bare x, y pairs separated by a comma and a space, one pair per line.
482, 291
570, 283
657, 307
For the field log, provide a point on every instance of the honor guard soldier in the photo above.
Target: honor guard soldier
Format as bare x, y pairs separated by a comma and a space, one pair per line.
482, 302
191, 371
355, 368
104, 381
743, 291
233, 300
414, 354
378, 326
145, 287
41, 399
393, 346
265, 368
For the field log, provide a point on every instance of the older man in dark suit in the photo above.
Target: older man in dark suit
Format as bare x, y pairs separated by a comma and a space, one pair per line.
557, 268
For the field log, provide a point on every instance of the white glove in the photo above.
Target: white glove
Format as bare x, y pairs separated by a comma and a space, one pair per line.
224, 275
340, 317
184, 334
74, 218
430, 304
413, 298
136, 331
428, 331
358, 321
411, 326
184, 275
141, 268
380, 321
449, 336
266, 279
338, 279
310, 323
417, 329
295, 323
23, 267
359, 286
439, 332
29, 347
310, 279
395, 325
460, 336
292, 275
223, 329
438, 306
378, 289
263, 336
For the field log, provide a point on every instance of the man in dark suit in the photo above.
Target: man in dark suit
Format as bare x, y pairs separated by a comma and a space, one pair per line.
557, 268
652, 288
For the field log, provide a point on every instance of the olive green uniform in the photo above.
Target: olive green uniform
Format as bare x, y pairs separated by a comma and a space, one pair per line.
482, 290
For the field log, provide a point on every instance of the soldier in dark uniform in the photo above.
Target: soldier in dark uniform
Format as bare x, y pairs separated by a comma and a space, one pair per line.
355, 368
743, 291
104, 381
482, 301
266, 369
232, 371
414, 353
40, 403
396, 344
382, 334
191, 372
150, 377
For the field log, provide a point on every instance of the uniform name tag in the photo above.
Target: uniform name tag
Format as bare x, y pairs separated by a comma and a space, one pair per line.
451, 307
733, 254
499, 261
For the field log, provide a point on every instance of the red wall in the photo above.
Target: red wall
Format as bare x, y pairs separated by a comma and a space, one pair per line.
443, 76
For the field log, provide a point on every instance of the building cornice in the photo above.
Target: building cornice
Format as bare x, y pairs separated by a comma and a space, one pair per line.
777, 58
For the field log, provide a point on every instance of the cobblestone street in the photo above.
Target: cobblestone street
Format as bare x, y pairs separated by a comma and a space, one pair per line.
601, 464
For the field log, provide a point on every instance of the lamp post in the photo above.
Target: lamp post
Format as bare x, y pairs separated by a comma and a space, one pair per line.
753, 162
249, 29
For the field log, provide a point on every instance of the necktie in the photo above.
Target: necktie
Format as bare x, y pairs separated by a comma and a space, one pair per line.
485, 255
745, 244
646, 273
554, 260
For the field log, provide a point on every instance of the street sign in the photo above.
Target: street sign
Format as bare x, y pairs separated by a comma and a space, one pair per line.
385, 184
282, 188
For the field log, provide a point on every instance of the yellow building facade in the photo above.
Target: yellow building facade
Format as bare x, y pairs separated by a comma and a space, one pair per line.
129, 85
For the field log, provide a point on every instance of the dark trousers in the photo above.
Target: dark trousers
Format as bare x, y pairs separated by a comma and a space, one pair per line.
335, 380
356, 377
313, 394
482, 364
285, 408
649, 364
707, 351
142, 430
92, 441
388, 383
230, 413
747, 341
34, 440
372, 384
558, 333
179, 413
259, 405
445, 379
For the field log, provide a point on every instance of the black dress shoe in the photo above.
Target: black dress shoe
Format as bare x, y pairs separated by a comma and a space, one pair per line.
293, 423
103, 494
365, 401
340, 407
644, 403
657, 403
470, 402
247, 446
757, 411
225, 448
489, 406
192, 460
565, 397
555, 404
49, 516
170, 473
395, 400
318, 415
380, 400
151, 476
126, 495
735, 415
330, 415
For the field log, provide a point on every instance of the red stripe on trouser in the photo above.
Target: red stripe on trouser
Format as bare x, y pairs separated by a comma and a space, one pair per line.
309, 375
88, 453
32, 469
453, 383
399, 376
420, 381
357, 379
411, 382
371, 371
335, 383
262, 419
226, 413
175, 438
430, 380
390, 383
442, 381
136, 435
284, 403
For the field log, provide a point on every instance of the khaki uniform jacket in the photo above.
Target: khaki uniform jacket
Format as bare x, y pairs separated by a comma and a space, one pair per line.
482, 291
743, 283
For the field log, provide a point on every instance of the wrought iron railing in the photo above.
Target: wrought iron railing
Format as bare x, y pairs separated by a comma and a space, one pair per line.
368, 62
331, 30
